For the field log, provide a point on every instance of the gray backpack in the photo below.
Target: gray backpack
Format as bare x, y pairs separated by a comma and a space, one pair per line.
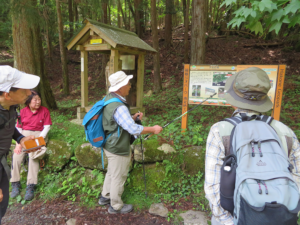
256, 184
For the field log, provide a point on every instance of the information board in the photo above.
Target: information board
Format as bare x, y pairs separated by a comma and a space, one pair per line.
201, 81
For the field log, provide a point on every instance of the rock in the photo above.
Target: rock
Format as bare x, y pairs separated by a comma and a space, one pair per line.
194, 218
155, 174
58, 154
149, 93
194, 160
90, 157
166, 148
71, 221
180, 96
152, 151
158, 209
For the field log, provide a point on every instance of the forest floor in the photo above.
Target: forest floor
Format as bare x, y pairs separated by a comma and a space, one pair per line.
229, 50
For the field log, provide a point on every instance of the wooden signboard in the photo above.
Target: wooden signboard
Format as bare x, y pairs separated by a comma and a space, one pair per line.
201, 81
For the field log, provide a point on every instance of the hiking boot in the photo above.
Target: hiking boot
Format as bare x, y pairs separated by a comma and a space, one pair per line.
15, 189
125, 209
104, 201
29, 192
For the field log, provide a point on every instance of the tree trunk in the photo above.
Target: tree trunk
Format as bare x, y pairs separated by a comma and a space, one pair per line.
76, 13
104, 20
71, 17
156, 63
119, 12
62, 50
28, 50
186, 33
199, 22
168, 23
138, 26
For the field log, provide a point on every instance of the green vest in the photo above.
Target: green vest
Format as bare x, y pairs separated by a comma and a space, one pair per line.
119, 141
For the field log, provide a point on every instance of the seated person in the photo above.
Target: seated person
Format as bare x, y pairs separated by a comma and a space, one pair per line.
35, 120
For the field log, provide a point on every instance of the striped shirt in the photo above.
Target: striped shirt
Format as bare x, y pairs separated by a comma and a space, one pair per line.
215, 154
123, 118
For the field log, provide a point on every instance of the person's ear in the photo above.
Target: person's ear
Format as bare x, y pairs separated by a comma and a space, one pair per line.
7, 96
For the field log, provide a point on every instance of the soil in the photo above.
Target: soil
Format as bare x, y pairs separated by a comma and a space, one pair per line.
228, 50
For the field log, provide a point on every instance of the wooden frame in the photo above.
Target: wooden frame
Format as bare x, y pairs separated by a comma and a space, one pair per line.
277, 101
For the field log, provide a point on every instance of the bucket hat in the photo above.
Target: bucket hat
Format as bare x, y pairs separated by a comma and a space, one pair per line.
118, 80
248, 89
11, 77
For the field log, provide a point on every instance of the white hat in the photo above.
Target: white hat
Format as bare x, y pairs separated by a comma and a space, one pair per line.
11, 77
118, 80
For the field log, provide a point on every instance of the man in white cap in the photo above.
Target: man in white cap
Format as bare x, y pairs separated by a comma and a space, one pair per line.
118, 123
14, 89
247, 92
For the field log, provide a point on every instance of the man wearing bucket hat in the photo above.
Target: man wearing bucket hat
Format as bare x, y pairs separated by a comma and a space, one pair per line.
118, 122
14, 89
247, 92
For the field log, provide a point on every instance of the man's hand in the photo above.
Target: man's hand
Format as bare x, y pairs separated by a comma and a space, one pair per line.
1, 195
18, 149
157, 129
31, 137
136, 115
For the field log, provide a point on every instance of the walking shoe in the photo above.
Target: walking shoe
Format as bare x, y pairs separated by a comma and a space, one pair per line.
29, 192
15, 189
104, 201
125, 209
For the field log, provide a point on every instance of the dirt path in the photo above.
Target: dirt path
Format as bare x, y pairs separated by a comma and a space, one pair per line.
38, 212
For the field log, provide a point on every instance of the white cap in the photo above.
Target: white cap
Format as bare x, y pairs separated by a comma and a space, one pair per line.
11, 77
118, 80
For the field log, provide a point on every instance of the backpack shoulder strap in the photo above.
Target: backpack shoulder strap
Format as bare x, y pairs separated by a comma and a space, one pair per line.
112, 100
225, 128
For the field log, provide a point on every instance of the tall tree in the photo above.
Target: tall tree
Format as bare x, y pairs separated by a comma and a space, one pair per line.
186, 32
62, 50
28, 50
199, 22
105, 58
71, 17
168, 22
156, 63
138, 18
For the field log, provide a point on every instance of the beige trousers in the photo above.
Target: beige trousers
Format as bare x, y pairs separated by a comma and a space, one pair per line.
33, 167
117, 170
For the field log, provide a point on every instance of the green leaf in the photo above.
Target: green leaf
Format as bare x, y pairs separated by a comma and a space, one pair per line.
253, 13
286, 19
293, 6
239, 11
247, 12
294, 20
257, 28
277, 15
276, 26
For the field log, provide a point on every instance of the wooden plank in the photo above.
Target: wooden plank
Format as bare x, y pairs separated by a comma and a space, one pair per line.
78, 37
279, 91
113, 62
103, 36
130, 50
140, 81
98, 47
91, 32
185, 97
84, 78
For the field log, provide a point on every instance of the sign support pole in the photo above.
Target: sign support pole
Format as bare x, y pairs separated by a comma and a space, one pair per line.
279, 91
185, 97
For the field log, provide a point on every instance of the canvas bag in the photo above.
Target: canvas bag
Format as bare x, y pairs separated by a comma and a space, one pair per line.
93, 126
256, 184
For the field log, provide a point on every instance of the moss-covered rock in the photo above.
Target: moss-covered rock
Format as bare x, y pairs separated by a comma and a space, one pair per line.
193, 160
90, 157
153, 152
58, 154
155, 174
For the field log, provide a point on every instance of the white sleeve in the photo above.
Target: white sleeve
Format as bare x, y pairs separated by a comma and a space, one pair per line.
45, 131
20, 129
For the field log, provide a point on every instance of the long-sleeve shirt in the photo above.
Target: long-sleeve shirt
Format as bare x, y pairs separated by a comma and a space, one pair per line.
215, 154
123, 118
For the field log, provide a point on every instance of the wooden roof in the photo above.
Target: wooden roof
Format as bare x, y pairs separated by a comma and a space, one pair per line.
114, 36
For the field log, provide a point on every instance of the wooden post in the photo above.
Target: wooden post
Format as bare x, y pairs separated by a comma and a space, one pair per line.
140, 81
185, 97
84, 78
113, 61
279, 91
